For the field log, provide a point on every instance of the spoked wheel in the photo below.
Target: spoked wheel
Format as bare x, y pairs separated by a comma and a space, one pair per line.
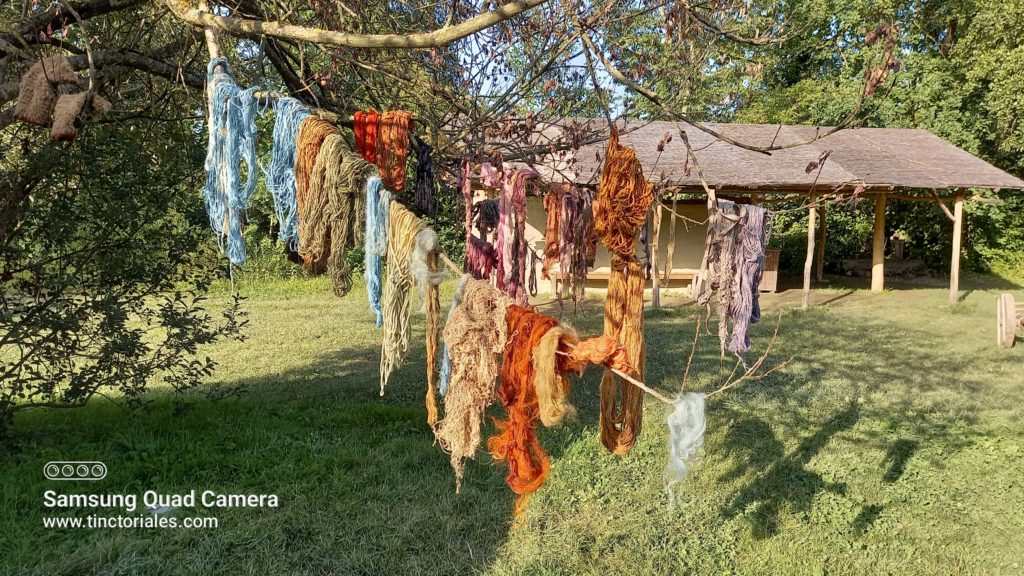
1007, 321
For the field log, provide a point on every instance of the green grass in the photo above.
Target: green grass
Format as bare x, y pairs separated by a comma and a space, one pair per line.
893, 444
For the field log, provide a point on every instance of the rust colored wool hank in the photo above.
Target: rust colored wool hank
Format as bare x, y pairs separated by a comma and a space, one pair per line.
311, 136
623, 198
475, 335
603, 350
553, 238
516, 443
393, 148
365, 126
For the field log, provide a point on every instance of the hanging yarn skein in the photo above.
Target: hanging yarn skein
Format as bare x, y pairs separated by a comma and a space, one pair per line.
280, 172
550, 382
511, 245
312, 133
474, 335
720, 264
623, 199
424, 178
37, 90
232, 143
332, 214
481, 258
428, 279
365, 126
553, 237
446, 359
411, 257
375, 246
516, 443
746, 309
393, 148
577, 225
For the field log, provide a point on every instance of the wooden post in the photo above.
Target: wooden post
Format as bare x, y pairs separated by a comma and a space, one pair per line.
878, 246
958, 231
812, 213
820, 267
670, 259
653, 232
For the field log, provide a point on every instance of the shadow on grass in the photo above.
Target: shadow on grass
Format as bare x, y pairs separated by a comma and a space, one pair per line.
364, 490
362, 487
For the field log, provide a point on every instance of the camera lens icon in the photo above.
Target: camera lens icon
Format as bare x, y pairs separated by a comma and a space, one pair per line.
75, 470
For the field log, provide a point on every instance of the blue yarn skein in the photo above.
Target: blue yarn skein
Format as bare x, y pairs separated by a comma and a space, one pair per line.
375, 244
280, 172
232, 141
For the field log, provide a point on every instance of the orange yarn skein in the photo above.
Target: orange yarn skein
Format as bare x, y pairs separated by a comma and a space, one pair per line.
393, 147
516, 442
623, 199
311, 136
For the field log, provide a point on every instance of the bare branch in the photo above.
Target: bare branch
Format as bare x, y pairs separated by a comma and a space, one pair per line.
435, 39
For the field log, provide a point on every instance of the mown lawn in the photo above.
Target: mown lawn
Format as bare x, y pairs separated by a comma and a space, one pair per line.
893, 444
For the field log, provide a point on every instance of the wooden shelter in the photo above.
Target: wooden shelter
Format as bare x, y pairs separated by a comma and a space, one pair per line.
876, 164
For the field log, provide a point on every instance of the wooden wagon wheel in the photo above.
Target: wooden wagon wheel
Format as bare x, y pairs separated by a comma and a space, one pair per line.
1007, 321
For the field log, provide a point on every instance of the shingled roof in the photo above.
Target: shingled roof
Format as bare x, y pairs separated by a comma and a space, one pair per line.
877, 158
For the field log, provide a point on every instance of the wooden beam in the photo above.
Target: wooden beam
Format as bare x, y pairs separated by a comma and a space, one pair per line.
958, 231
812, 213
820, 266
878, 246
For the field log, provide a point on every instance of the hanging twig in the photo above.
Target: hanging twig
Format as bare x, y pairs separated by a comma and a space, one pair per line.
693, 352
751, 373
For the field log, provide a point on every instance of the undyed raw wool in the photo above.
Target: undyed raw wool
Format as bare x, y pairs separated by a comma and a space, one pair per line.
686, 425
551, 384
474, 335
37, 91
446, 359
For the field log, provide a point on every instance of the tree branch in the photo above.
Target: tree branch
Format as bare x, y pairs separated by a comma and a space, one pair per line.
435, 39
